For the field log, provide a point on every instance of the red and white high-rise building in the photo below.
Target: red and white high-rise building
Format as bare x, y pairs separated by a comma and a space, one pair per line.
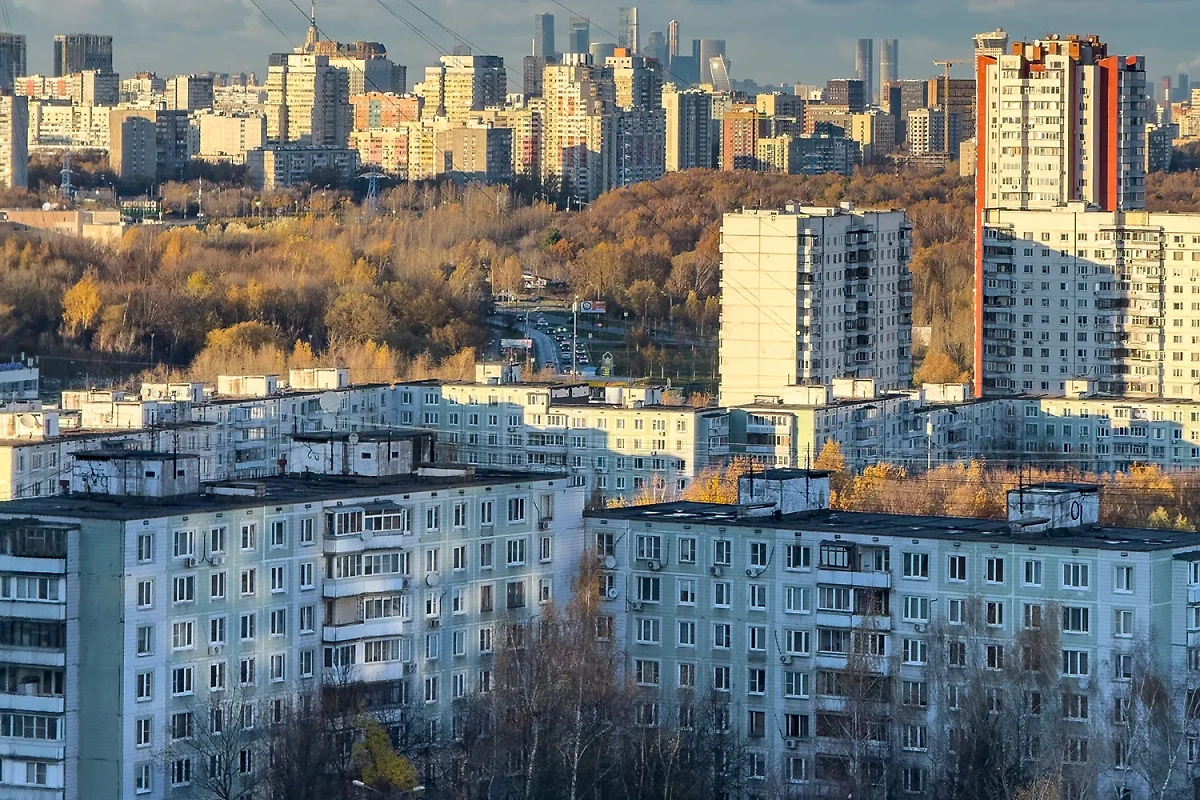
1059, 120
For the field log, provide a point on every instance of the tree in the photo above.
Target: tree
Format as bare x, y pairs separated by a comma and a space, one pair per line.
719, 483
357, 317
379, 765
81, 305
939, 368
218, 746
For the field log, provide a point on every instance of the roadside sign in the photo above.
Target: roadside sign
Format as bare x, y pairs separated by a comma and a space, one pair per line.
593, 307
526, 343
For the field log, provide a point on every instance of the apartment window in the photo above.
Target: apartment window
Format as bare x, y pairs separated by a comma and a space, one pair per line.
249, 581
757, 596
758, 555
143, 778
278, 622
433, 518
722, 552
181, 681
756, 680
485, 555
460, 515
216, 630
1032, 616
797, 600
916, 565
216, 586
1075, 619
686, 633
246, 675
957, 654
145, 594
145, 548
1032, 572
648, 630
143, 732
915, 651
181, 725
181, 772
834, 598
957, 568
995, 656
915, 693
916, 609
182, 635
278, 533
1122, 666
1123, 623
687, 591
721, 636
721, 598
249, 536
995, 613
646, 672
516, 509
216, 676
757, 638
1075, 706
185, 544
687, 550
306, 531
722, 680
278, 580
516, 594
995, 570
1075, 663
516, 552
649, 589
144, 687
249, 624
954, 612
1075, 576
306, 576
1123, 579
796, 684
798, 557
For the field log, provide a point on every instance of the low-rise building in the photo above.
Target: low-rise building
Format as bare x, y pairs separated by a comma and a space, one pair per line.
285, 165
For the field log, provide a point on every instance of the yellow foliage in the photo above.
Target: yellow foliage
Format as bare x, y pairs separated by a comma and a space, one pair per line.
81, 304
940, 368
246, 336
718, 484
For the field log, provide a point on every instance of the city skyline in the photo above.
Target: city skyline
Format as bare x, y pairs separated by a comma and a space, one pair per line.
231, 36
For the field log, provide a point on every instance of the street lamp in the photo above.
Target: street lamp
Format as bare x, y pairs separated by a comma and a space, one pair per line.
361, 785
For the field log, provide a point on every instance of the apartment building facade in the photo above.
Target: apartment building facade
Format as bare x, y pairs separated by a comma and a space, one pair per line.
812, 294
780, 609
134, 620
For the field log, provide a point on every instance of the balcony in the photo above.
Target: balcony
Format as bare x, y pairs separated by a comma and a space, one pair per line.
34, 656
368, 540
846, 577
365, 584
34, 609
33, 703
833, 619
364, 629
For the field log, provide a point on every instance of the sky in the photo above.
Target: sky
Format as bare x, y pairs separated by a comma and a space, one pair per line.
770, 41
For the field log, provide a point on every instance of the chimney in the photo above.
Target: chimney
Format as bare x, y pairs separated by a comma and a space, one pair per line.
783, 491
1053, 507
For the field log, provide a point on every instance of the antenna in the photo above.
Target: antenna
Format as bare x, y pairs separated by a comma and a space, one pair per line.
1021, 487
65, 189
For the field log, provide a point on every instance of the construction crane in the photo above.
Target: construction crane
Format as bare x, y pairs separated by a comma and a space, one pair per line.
946, 64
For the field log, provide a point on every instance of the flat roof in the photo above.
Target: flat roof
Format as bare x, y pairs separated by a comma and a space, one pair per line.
906, 526
279, 490
130, 455
365, 436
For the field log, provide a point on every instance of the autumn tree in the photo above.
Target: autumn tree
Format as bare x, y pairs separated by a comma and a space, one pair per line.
81, 305
379, 765
718, 483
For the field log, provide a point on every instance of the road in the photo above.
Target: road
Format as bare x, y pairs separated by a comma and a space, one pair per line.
546, 349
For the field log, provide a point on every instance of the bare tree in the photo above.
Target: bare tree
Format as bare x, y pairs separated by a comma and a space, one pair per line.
217, 747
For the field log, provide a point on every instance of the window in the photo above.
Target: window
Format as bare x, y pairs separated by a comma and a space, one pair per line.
278, 533
246, 674
1075, 706
306, 663
649, 589
722, 552
516, 594
249, 536
545, 549
721, 679
995, 570
648, 547
181, 725
1123, 579
757, 638
1122, 666
957, 654
1075, 576
1032, 616
142, 732
1123, 623
995, 613
143, 778
144, 687
249, 579
249, 624
306, 577
916, 565
516, 552
721, 636
216, 630
995, 656
185, 544
833, 598
181, 772
648, 630
796, 684
798, 557
796, 769
485, 555
182, 635
796, 600
1075, 751
686, 633
915, 651
278, 580
516, 509
721, 597
306, 531
145, 548
1075, 663
1032, 572
954, 612
758, 555
915, 737
957, 568
145, 594
797, 643
216, 586
181, 681
757, 596
914, 693
916, 609
646, 672
1075, 619
687, 591
278, 622
433, 518
687, 550
216, 676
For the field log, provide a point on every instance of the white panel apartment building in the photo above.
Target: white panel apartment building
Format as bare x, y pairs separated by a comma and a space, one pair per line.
812, 294
1106, 296
127, 618
765, 606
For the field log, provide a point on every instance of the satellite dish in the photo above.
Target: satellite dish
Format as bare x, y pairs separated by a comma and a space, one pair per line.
46, 206
353, 438
432, 579
29, 420
330, 402
610, 562
329, 421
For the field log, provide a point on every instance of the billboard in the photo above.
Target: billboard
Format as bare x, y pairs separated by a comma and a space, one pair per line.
526, 343
592, 307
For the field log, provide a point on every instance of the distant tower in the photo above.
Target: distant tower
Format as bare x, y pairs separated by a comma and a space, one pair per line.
314, 35
672, 39
543, 35
581, 35
889, 62
992, 45
705, 50
864, 67
628, 34
656, 47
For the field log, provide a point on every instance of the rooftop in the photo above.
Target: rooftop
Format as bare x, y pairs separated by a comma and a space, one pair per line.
277, 490
908, 526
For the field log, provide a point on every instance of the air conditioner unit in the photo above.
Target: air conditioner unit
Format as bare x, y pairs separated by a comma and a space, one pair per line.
920, 627
404, 584
654, 566
752, 573
636, 605
611, 594
193, 562
791, 744
715, 571
217, 560
215, 650
410, 668
785, 659
543, 524
434, 622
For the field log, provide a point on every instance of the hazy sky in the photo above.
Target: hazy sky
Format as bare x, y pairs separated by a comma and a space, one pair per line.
780, 41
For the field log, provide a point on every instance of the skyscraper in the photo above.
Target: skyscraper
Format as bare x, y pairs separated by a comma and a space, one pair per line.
581, 35
864, 67
75, 52
672, 39
719, 67
889, 61
628, 34
656, 47
689, 128
543, 35
308, 101
12, 59
462, 84
704, 51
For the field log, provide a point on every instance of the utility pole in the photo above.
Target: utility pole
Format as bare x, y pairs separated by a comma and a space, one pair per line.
575, 336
